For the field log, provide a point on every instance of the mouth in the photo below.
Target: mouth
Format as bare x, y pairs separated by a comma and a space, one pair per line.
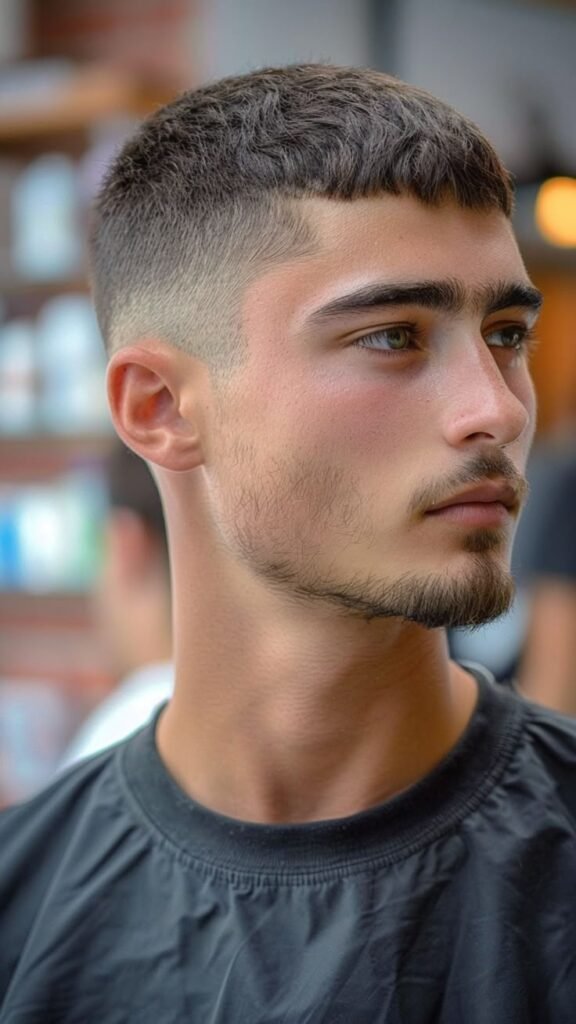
489, 504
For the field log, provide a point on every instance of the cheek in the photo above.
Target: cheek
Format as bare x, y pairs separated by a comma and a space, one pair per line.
367, 423
340, 414
525, 392
529, 399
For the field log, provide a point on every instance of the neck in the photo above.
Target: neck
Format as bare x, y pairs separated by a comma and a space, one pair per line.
285, 713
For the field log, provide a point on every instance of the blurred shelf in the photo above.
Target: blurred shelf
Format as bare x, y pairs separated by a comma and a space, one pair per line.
85, 96
97, 441
52, 637
19, 286
46, 106
38, 457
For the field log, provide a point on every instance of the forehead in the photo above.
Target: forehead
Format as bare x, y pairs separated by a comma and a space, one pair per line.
396, 238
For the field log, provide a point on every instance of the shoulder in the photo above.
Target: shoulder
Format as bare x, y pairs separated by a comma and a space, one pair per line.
43, 825
550, 731
61, 800
79, 812
548, 751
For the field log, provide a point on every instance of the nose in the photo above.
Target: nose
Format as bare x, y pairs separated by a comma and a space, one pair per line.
484, 403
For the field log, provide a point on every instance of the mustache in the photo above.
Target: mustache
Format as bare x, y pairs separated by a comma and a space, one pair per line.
482, 466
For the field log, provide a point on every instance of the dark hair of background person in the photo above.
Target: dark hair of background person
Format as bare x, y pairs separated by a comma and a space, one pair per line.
204, 195
132, 486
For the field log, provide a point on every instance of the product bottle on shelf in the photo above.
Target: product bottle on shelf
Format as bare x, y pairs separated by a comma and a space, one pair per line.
71, 367
18, 374
46, 242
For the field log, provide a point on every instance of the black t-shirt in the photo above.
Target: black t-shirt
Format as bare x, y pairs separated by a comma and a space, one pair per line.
122, 900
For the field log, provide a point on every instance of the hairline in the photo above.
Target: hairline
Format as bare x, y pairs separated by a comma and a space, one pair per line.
282, 247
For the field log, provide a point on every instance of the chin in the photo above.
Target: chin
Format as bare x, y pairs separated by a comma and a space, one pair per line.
478, 593
486, 541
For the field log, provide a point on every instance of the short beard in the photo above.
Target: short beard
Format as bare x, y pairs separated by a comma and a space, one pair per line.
436, 600
278, 547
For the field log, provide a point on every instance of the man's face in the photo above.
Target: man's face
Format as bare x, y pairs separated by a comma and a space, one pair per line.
385, 373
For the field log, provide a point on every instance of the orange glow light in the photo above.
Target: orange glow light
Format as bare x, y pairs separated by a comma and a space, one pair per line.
555, 211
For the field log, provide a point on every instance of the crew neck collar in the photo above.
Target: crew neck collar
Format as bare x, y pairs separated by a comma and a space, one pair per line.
385, 834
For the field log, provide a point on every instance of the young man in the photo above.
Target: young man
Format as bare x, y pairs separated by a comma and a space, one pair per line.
319, 323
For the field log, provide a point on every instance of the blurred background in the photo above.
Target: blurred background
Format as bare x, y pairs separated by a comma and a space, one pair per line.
75, 77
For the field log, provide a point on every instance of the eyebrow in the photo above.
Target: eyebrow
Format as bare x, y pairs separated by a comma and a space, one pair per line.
448, 295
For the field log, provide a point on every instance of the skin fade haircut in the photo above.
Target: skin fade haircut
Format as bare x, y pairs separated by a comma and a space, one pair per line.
206, 193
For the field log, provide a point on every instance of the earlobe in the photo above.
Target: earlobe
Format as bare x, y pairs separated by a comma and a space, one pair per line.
146, 401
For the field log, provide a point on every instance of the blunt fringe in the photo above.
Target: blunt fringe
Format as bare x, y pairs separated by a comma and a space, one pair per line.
198, 196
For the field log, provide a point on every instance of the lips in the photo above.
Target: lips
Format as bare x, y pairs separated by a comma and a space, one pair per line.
487, 493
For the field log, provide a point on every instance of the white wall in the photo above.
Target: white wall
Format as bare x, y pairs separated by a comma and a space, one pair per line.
487, 58
232, 36
13, 28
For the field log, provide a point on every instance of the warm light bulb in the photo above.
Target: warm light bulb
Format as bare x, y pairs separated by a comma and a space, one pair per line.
555, 211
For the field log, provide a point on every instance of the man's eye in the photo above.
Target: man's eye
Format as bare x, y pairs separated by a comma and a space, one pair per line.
516, 337
388, 339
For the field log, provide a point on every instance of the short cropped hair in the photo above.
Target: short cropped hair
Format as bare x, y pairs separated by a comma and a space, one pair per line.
205, 194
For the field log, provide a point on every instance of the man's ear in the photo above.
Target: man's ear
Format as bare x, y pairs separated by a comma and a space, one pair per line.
154, 396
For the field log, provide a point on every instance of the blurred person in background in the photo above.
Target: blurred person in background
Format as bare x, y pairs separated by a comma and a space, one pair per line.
132, 607
547, 671
319, 326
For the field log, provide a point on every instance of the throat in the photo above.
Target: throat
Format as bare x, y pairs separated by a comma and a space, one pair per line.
302, 766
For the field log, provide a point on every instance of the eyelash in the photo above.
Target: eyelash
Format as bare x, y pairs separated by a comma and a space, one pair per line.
526, 345
528, 340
